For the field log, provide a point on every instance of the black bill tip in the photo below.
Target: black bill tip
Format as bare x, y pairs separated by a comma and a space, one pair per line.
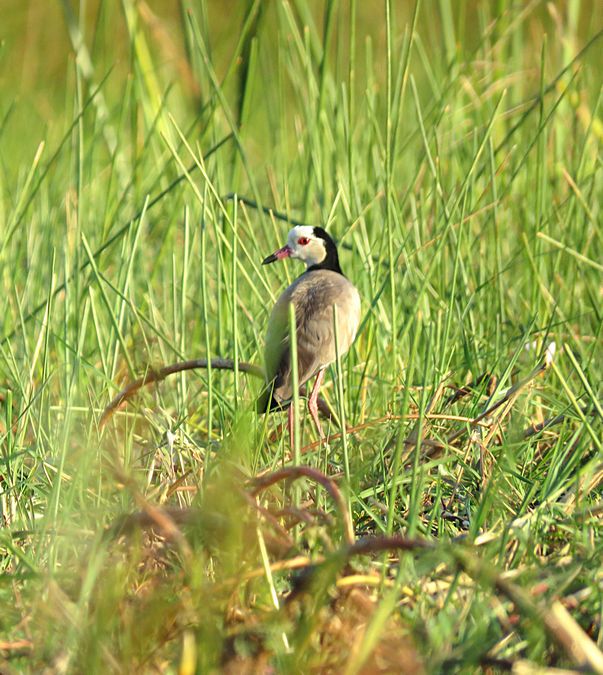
270, 259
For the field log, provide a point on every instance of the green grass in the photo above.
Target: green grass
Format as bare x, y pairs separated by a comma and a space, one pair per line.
453, 149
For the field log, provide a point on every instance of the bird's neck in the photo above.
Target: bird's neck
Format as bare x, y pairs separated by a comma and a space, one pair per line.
330, 262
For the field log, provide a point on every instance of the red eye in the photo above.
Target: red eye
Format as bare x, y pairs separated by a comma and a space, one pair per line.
302, 241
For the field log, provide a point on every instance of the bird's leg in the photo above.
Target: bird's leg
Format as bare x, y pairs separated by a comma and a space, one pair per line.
312, 402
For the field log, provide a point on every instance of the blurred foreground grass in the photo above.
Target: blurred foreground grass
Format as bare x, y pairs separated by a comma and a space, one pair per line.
454, 151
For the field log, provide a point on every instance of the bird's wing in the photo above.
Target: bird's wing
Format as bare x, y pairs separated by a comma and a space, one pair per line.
313, 335
277, 337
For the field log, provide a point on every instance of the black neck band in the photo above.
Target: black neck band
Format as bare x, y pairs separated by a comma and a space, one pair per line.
331, 259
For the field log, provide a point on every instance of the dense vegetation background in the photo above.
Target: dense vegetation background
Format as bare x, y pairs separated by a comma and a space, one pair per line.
453, 149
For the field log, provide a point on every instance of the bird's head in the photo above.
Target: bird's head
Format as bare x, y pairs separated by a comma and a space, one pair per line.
311, 245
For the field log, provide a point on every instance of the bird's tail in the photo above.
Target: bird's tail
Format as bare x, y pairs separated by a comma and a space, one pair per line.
266, 401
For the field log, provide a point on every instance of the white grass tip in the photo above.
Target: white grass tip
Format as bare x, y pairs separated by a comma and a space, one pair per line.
549, 354
170, 437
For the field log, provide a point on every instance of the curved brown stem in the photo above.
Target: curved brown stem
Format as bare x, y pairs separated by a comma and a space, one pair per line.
296, 472
379, 544
158, 375
152, 376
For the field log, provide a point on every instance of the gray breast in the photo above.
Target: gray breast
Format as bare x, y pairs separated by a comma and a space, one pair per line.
313, 296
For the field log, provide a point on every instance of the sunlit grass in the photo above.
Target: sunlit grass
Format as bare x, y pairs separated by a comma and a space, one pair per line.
455, 157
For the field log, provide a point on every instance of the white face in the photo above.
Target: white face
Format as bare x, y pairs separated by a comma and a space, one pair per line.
305, 246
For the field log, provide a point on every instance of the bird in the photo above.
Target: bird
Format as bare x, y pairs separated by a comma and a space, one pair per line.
313, 295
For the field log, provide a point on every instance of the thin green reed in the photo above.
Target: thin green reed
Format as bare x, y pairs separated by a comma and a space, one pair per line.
205, 315
351, 102
184, 293
539, 195
397, 466
389, 159
235, 325
340, 400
